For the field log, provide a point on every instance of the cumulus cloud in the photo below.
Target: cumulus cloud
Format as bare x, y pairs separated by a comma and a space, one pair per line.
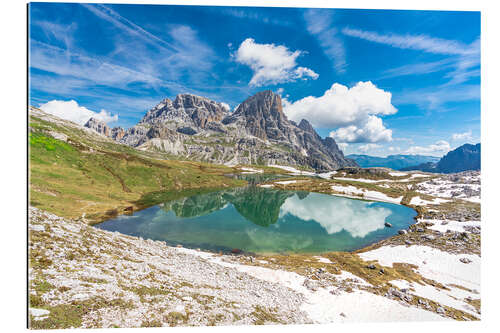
342, 145
368, 147
70, 110
369, 130
439, 148
353, 111
462, 136
271, 64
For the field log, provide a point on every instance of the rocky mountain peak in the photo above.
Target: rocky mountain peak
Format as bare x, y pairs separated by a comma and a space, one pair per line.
262, 116
306, 126
257, 132
187, 109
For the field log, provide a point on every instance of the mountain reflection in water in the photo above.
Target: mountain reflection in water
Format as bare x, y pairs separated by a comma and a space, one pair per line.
266, 220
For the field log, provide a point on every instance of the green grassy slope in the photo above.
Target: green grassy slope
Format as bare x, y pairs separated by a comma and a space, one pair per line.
87, 173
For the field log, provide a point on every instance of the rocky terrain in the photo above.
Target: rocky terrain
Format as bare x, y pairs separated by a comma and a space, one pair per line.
84, 277
257, 132
115, 133
81, 276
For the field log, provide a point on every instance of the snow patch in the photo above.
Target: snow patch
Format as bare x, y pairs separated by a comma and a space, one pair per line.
421, 202
366, 194
444, 225
292, 169
432, 263
286, 182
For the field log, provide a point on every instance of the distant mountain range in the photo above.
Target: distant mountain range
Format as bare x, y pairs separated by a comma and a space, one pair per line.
464, 158
257, 132
395, 162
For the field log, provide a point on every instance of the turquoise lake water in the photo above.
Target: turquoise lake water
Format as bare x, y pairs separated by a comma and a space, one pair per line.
266, 220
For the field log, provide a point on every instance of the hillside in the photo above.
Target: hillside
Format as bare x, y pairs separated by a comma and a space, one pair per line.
464, 158
257, 132
74, 170
395, 162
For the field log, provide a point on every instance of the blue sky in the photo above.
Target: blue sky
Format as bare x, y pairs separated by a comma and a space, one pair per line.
380, 82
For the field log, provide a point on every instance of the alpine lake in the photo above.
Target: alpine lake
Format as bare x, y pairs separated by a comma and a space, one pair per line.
265, 220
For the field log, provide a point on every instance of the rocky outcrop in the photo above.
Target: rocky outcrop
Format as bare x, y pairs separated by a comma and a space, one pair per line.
98, 126
115, 133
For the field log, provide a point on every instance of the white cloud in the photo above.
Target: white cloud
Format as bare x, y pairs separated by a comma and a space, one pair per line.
369, 147
342, 145
369, 130
70, 110
341, 106
353, 111
393, 149
462, 136
271, 64
433, 98
318, 22
439, 148
413, 42
280, 91
225, 106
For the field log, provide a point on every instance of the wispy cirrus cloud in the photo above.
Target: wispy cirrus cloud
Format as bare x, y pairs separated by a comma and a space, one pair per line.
434, 98
413, 42
251, 14
66, 63
319, 24
461, 63
419, 68
175, 62
108, 14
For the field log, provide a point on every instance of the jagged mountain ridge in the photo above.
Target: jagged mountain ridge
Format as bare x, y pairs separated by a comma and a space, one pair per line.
257, 132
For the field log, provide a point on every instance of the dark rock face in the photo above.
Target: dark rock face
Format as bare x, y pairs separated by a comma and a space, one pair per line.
257, 132
464, 158
262, 115
117, 133
186, 130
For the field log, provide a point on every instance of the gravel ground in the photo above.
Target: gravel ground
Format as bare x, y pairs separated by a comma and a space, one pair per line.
143, 282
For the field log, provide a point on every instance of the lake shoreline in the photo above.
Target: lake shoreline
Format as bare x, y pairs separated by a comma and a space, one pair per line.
405, 289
